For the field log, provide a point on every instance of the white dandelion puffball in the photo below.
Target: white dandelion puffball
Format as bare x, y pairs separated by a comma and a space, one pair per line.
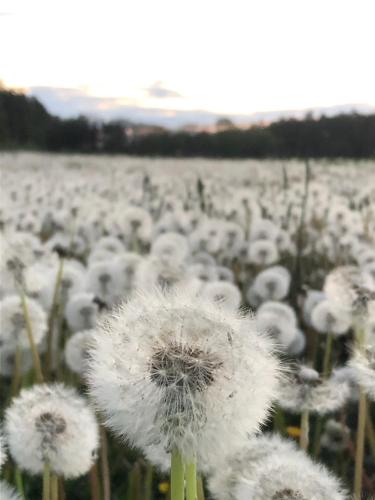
7, 492
272, 468
283, 331
313, 297
263, 252
335, 436
351, 287
13, 330
52, 423
76, 351
297, 346
272, 283
174, 370
103, 281
126, 265
363, 365
8, 361
171, 247
81, 311
306, 391
223, 293
326, 317
279, 309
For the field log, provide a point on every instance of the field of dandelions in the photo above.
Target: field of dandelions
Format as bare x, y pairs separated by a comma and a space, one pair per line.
186, 329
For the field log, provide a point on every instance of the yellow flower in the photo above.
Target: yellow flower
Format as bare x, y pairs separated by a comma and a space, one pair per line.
164, 487
294, 432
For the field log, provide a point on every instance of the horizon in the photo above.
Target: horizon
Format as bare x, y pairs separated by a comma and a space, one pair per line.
176, 64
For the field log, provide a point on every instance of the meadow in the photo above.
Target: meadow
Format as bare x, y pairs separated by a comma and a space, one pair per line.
186, 329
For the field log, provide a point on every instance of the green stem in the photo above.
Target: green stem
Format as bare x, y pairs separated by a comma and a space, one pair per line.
16, 380
361, 424
94, 483
19, 482
46, 482
370, 432
360, 445
317, 435
106, 482
53, 311
279, 421
327, 356
29, 330
200, 488
304, 438
148, 482
177, 476
191, 481
326, 371
54, 487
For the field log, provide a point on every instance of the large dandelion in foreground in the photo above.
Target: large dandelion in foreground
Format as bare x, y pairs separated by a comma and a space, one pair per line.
177, 372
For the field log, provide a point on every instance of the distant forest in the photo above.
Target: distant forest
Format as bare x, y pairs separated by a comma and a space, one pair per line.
26, 124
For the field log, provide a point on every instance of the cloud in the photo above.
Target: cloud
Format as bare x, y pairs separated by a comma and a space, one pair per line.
158, 91
68, 102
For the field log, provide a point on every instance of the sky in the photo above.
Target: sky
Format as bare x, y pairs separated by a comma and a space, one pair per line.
189, 60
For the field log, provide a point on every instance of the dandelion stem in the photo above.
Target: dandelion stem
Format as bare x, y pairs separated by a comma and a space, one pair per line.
46, 482
200, 492
177, 476
370, 431
19, 482
148, 482
304, 438
358, 470
279, 421
191, 481
53, 311
29, 330
54, 487
326, 371
16, 380
317, 435
94, 483
361, 424
327, 356
104, 464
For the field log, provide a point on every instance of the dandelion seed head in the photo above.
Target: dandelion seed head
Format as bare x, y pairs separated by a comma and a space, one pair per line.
173, 369
58, 427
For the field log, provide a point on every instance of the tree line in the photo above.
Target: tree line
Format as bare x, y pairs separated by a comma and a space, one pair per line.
26, 124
